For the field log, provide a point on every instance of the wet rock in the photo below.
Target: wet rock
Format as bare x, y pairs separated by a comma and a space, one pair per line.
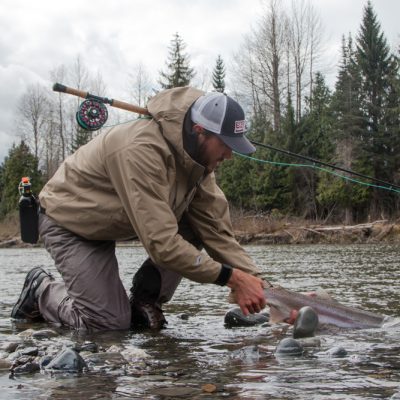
132, 354
246, 354
184, 316
27, 368
87, 346
44, 334
209, 388
5, 365
10, 347
359, 359
306, 323
112, 360
67, 360
44, 361
175, 392
337, 351
26, 334
28, 351
310, 342
235, 317
114, 349
289, 347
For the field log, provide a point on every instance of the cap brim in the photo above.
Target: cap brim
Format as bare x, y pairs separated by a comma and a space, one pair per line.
239, 144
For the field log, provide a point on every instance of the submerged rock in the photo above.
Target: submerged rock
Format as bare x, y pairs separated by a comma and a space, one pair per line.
87, 346
337, 351
67, 360
289, 347
27, 368
235, 317
44, 334
306, 323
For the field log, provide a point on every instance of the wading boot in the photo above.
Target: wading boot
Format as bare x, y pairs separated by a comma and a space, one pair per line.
27, 305
147, 315
145, 290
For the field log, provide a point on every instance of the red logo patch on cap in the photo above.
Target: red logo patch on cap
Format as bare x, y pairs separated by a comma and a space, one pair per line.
240, 126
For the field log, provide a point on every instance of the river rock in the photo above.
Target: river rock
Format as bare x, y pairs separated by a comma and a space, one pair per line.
87, 346
306, 323
312, 342
26, 334
67, 360
5, 365
27, 368
235, 317
337, 351
28, 351
44, 334
289, 347
10, 347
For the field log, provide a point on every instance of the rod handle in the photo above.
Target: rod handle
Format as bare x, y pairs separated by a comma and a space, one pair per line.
129, 107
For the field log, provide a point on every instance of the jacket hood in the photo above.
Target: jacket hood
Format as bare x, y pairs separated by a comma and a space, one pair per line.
168, 108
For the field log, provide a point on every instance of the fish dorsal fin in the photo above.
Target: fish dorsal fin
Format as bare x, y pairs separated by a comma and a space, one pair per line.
324, 294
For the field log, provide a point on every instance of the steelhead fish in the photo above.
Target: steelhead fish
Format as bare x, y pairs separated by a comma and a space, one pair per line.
281, 303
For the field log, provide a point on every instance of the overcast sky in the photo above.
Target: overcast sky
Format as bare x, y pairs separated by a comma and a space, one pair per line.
111, 37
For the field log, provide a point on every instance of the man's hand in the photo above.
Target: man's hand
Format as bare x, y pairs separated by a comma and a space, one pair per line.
247, 291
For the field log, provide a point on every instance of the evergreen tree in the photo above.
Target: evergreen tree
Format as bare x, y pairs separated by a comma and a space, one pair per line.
340, 198
313, 138
82, 137
178, 71
380, 140
218, 75
19, 162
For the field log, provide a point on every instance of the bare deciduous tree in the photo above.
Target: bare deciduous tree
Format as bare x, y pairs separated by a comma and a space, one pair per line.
33, 112
262, 62
305, 32
140, 85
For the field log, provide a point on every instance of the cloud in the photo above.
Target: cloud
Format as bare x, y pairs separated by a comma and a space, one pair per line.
112, 37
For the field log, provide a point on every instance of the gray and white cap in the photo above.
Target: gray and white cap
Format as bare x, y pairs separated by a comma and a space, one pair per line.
220, 114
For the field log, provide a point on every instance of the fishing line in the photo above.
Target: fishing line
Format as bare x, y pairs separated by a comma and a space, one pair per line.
282, 164
387, 185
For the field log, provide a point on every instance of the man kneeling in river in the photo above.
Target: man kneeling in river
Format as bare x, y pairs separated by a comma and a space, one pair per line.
151, 179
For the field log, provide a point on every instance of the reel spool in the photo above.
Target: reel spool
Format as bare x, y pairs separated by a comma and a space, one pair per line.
92, 115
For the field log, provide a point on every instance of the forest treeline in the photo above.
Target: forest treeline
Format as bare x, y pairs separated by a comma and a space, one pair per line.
278, 76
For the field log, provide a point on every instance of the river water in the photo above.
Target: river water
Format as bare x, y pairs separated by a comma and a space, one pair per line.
197, 349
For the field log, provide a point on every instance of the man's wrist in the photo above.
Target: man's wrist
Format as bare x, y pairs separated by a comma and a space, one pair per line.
224, 275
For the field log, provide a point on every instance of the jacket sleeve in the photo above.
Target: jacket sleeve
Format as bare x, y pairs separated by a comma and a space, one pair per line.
139, 175
209, 217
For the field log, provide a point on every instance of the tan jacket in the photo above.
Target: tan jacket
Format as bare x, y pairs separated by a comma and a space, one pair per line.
136, 180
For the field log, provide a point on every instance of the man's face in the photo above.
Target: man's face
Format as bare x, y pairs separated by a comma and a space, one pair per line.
211, 150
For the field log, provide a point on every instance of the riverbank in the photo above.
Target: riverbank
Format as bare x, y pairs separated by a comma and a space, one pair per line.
266, 230
262, 231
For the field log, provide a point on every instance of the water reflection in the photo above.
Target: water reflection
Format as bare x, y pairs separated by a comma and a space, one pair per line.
199, 350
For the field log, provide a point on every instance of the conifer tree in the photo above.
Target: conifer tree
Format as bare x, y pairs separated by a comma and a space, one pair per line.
178, 71
340, 198
19, 162
380, 140
81, 137
218, 76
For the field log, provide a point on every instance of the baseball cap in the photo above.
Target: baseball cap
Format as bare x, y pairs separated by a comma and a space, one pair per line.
220, 114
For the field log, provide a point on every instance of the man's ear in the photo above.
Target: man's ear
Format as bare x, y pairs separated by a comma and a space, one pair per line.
198, 129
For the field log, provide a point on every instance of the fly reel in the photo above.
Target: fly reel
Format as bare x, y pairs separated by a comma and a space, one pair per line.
91, 115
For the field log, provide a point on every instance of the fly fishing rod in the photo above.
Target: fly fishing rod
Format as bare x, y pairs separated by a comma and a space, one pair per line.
92, 114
